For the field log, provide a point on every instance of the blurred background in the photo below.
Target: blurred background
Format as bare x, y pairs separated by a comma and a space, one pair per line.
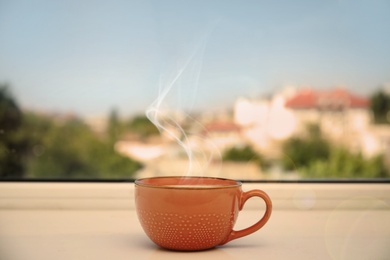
250, 90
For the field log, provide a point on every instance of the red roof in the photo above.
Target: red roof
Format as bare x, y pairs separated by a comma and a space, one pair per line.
332, 98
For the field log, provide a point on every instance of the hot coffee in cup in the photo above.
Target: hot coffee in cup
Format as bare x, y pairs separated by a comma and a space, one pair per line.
193, 213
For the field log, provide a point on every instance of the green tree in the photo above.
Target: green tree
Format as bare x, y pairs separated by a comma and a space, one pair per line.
315, 157
380, 106
244, 154
12, 145
69, 149
39, 146
143, 127
345, 164
114, 126
300, 151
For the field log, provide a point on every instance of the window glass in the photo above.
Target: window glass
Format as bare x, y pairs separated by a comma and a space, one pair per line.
251, 90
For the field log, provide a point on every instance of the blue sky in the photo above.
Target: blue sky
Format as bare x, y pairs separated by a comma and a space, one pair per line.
90, 56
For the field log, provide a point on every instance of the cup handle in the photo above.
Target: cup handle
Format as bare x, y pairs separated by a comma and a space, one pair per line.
244, 197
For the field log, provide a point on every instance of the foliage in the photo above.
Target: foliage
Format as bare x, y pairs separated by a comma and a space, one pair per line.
142, 126
344, 164
299, 152
12, 145
38, 146
315, 157
69, 149
380, 106
114, 127
244, 154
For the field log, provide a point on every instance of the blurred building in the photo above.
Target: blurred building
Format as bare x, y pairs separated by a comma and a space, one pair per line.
265, 122
223, 134
343, 117
337, 111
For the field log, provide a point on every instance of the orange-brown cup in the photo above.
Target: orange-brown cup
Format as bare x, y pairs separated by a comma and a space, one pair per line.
193, 213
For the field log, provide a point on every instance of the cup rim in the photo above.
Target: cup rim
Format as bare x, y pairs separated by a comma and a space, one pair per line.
230, 183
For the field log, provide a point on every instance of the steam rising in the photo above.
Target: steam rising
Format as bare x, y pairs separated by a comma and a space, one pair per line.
183, 84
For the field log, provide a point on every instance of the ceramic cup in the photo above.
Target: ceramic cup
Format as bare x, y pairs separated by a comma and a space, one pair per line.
193, 213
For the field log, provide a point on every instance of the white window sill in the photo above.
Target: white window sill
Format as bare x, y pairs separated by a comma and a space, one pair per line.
98, 221
292, 196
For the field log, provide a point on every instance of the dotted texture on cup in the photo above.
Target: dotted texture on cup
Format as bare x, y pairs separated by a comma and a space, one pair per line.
186, 232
